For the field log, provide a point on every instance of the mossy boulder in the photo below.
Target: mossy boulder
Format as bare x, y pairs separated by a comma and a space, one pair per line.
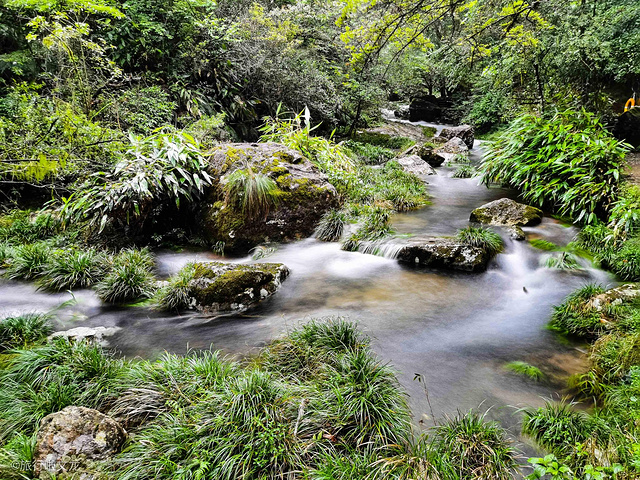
218, 286
507, 212
445, 253
71, 441
305, 195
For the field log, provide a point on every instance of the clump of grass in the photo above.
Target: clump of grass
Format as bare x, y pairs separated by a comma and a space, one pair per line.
429, 131
370, 154
177, 294
48, 378
464, 171
29, 261
576, 316
383, 140
557, 427
362, 403
22, 331
130, 278
73, 269
481, 237
563, 261
374, 228
475, 448
331, 226
25, 226
596, 238
613, 355
252, 193
6, 253
625, 262
525, 369
16, 457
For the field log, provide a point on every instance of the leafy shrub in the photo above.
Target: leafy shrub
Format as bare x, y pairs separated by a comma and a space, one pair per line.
597, 238
23, 226
570, 162
625, 214
525, 369
29, 261
129, 279
73, 269
576, 316
165, 167
481, 237
625, 261
487, 111
252, 193
22, 331
177, 294
475, 448
139, 109
613, 355
331, 226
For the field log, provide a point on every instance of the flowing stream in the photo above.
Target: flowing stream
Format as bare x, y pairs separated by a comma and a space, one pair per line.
457, 330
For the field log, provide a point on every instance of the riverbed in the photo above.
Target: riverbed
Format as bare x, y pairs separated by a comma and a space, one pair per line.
456, 330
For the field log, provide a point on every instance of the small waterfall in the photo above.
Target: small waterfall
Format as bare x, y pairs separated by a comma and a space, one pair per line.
382, 248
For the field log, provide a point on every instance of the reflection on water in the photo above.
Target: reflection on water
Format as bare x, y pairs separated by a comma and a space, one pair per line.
456, 329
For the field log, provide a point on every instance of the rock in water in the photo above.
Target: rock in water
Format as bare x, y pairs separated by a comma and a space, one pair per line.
88, 334
507, 212
306, 195
445, 253
516, 233
70, 440
416, 165
465, 132
218, 286
455, 146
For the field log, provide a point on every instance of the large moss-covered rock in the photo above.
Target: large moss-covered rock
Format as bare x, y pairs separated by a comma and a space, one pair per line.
507, 212
70, 441
306, 195
445, 253
218, 286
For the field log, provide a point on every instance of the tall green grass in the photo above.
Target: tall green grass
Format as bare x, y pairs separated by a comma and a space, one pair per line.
481, 237
22, 331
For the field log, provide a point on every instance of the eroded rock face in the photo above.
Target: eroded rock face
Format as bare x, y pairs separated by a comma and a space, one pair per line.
507, 212
218, 286
465, 132
69, 441
416, 165
306, 196
445, 253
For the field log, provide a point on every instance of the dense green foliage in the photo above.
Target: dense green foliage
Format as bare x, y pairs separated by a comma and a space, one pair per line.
569, 163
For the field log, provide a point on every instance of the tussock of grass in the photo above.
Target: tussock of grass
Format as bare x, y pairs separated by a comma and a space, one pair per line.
177, 294
576, 316
130, 278
28, 262
22, 331
545, 245
481, 237
525, 369
563, 261
331, 226
73, 269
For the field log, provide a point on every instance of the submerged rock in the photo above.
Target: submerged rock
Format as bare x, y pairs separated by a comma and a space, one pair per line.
416, 165
445, 253
516, 233
507, 212
218, 286
69, 441
306, 195
465, 132
89, 334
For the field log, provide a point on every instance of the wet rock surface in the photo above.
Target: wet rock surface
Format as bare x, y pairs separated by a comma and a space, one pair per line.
507, 212
416, 165
218, 286
445, 253
464, 132
71, 440
98, 335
